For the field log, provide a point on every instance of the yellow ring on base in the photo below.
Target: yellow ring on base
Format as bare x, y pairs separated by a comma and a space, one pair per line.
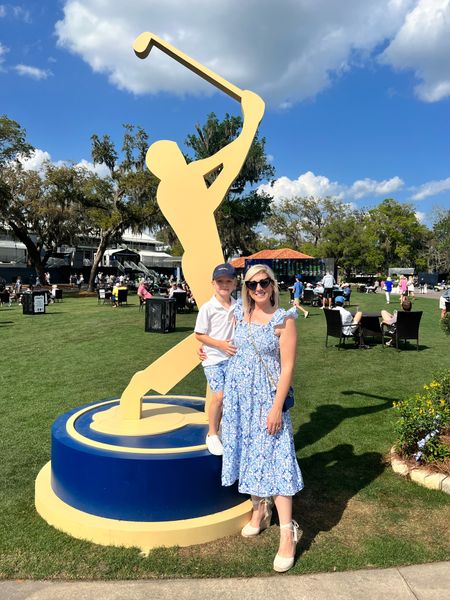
141, 534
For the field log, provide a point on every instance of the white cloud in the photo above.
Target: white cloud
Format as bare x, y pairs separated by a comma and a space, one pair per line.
3, 51
423, 45
309, 184
36, 161
431, 188
17, 11
99, 169
285, 50
420, 216
21, 13
370, 187
32, 72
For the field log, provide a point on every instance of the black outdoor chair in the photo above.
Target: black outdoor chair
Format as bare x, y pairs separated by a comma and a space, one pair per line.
317, 300
180, 298
362, 289
447, 307
371, 327
308, 296
58, 295
335, 328
122, 297
104, 295
406, 328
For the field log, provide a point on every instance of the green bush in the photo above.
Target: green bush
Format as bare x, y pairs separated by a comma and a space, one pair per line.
423, 420
445, 323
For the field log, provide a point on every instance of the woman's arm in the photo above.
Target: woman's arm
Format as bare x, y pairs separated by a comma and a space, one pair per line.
233, 155
288, 347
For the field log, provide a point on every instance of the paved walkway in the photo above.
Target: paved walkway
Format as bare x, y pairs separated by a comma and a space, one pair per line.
421, 582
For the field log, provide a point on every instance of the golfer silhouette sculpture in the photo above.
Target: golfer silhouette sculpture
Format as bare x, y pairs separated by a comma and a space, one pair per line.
188, 203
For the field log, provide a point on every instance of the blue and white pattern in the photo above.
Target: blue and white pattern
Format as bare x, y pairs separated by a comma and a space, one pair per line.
264, 464
215, 375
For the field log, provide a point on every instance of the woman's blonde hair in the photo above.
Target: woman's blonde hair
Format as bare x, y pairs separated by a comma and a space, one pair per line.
247, 303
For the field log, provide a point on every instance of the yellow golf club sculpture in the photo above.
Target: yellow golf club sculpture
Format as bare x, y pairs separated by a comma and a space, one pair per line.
136, 471
189, 205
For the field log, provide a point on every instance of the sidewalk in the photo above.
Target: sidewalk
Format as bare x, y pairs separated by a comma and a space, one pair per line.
422, 582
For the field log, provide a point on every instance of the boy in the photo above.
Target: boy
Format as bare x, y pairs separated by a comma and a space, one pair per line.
298, 291
214, 329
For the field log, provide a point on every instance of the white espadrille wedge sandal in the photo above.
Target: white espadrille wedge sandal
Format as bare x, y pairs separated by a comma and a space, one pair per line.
250, 531
281, 563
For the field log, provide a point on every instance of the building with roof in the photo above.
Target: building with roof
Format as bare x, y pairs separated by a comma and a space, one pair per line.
286, 263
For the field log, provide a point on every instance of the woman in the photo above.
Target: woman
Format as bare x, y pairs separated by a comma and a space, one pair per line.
257, 435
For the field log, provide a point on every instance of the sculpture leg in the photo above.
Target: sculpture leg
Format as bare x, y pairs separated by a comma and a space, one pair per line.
160, 376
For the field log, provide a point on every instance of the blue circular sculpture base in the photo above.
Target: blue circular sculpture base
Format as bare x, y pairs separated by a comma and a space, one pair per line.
160, 478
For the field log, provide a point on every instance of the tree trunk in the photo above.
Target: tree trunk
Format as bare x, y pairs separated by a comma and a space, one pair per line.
33, 252
105, 237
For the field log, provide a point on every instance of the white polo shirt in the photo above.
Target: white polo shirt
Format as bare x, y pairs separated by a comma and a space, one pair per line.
217, 322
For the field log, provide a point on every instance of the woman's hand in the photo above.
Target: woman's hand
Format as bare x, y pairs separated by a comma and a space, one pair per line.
227, 347
274, 420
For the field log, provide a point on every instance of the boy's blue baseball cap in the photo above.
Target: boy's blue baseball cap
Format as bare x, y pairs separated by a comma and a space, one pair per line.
298, 276
340, 299
224, 270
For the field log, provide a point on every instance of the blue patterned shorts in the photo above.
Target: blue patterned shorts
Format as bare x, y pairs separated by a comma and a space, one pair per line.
215, 375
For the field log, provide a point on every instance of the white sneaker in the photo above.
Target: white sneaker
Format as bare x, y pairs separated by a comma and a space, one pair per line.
214, 445
306, 314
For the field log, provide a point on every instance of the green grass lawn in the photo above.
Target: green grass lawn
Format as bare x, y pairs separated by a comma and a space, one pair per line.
354, 511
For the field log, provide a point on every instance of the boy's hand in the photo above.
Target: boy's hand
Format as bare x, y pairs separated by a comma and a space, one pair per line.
201, 353
227, 347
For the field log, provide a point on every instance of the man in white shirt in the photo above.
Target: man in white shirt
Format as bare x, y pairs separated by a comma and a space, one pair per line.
350, 323
328, 282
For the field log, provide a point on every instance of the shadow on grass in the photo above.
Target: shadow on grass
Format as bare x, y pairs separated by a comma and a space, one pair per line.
332, 478
328, 416
6, 323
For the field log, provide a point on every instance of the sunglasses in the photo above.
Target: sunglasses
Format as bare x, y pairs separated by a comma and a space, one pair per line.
264, 283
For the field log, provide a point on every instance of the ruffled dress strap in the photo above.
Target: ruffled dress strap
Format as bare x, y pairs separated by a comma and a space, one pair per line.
281, 315
238, 311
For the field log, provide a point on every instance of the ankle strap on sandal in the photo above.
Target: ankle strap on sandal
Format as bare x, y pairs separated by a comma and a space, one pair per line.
293, 526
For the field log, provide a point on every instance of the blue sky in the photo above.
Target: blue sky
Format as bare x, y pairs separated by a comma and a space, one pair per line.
357, 93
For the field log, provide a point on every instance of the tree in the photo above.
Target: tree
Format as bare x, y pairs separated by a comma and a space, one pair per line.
13, 142
396, 237
43, 210
127, 197
439, 243
344, 240
243, 208
301, 221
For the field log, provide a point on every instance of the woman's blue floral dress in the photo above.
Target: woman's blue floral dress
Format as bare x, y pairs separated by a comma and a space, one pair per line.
264, 464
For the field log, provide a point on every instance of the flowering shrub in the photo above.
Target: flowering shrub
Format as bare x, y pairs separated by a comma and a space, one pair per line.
424, 420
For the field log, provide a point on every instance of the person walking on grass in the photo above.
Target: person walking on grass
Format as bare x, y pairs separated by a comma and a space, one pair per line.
214, 329
388, 289
298, 291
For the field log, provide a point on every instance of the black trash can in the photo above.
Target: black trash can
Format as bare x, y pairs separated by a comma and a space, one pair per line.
160, 314
33, 303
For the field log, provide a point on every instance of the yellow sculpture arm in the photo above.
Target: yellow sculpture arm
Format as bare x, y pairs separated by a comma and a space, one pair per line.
144, 43
233, 155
